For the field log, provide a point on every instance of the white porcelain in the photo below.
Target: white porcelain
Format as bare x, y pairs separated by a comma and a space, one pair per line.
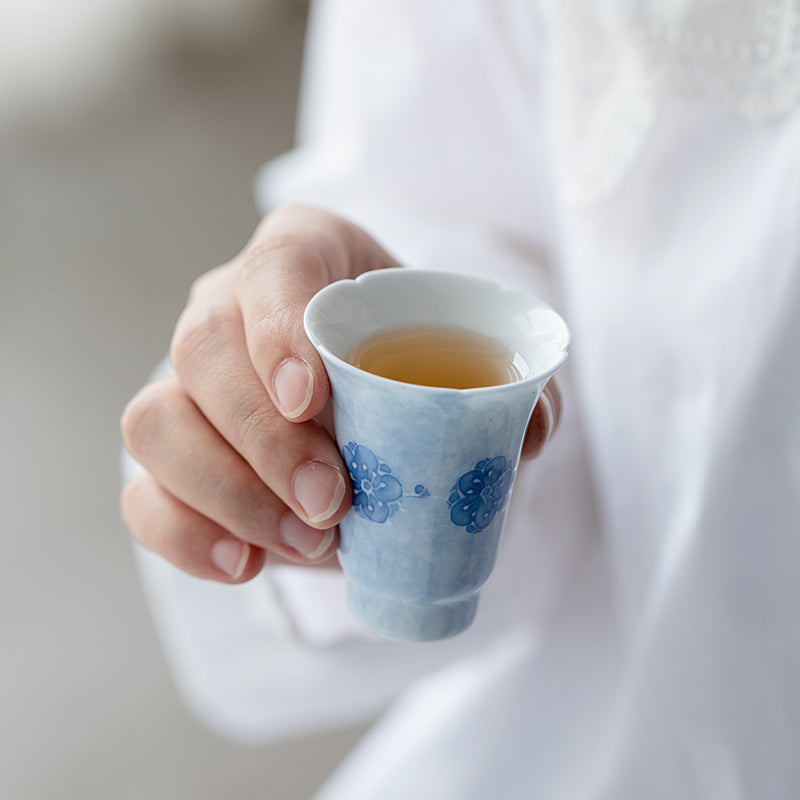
432, 468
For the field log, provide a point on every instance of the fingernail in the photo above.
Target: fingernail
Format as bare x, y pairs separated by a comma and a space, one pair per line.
293, 384
307, 541
230, 556
319, 489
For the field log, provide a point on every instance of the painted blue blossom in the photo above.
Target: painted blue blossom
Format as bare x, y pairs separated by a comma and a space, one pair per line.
480, 493
375, 489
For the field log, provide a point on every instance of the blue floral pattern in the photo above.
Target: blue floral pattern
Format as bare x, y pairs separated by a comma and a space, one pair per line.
375, 490
479, 494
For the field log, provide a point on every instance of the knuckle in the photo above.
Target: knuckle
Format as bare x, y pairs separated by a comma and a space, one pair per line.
127, 502
199, 287
282, 244
263, 253
290, 210
273, 330
254, 427
235, 499
154, 519
286, 218
200, 329
213, 283
130, 506
143, 417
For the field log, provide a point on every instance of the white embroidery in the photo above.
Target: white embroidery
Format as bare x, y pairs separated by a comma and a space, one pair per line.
740, 57
611, 65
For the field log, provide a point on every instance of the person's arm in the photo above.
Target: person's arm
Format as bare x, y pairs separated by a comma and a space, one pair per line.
223, 442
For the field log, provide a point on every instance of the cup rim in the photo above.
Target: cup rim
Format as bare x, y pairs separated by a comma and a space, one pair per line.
533, 378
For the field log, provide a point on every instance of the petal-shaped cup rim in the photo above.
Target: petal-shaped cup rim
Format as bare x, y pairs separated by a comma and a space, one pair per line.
346, 312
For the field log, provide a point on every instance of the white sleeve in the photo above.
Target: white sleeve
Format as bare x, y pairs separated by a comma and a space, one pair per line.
424, 126
446, 177
279, 656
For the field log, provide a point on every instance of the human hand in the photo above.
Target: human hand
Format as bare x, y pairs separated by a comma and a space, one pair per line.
238, 467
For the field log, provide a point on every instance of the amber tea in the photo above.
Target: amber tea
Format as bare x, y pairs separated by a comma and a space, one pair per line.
432, 355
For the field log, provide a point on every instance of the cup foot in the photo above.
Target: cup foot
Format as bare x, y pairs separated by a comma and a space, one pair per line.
409, 620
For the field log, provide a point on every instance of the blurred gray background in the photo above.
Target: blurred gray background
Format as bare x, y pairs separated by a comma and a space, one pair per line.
129, 134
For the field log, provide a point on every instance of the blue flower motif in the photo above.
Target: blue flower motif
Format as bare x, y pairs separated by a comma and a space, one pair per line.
480, 493
375, 489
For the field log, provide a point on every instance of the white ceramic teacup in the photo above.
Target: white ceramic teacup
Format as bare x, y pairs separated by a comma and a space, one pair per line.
432, 468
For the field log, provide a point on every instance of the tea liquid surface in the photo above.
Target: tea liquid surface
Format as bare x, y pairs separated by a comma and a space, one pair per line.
434, 355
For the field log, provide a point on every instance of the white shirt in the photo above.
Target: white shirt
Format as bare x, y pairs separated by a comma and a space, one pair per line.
638, 165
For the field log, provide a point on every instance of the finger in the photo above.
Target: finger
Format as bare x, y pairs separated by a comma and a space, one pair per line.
166, 433
185, 538
299, 462
544, 421
294, 253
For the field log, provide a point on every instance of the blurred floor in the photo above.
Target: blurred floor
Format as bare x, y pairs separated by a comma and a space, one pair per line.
106, 215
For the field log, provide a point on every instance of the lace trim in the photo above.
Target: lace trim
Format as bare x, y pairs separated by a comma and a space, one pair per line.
612, 65
739, 57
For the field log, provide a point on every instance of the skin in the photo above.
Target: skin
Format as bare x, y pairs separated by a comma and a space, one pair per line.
240, 467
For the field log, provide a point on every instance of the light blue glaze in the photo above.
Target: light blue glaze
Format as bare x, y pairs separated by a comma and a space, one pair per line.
432, 468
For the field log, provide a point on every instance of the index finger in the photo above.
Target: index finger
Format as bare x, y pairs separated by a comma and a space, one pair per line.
294, 253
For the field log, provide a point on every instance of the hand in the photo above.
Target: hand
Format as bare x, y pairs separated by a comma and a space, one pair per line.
238, 467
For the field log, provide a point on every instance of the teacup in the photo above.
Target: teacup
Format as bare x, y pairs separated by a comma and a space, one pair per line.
432, 468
